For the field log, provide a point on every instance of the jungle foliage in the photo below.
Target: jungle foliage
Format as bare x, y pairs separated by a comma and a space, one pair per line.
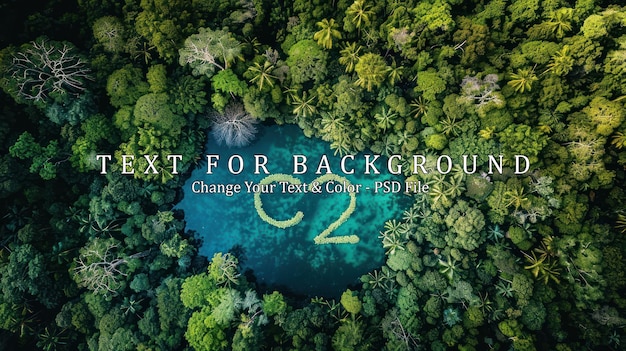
503, 262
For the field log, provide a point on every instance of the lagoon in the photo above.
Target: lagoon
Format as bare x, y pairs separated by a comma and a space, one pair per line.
288, 259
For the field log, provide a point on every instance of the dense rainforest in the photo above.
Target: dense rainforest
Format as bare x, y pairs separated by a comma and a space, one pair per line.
92, 261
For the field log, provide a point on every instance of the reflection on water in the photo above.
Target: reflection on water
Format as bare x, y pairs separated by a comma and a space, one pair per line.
288, 258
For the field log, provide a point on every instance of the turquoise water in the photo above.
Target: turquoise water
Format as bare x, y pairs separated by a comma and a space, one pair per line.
289, 258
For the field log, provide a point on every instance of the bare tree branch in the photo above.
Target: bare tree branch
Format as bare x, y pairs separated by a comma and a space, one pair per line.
45, 68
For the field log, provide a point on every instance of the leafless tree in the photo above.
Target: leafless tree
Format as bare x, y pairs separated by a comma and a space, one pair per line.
45, 68
392, 325
234, 127
481, 91
99, 266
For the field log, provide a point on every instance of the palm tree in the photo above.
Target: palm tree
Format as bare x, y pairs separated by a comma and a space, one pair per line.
448, 267
494, 233
504, 288
262, 74
304, 107
562, 62
341, 146
290, 94
394, 73
560, 22
454, 187
389, 284
359, 14
332, 124
99, 226
516, 197
484, 303
140, 50
389, 145
439, 196
411, 216
403, 137
523, 80
620, 223
393, 227
418, 107
486, 133
327, 32
394, 237
52, 339
350, 56
385, 119
546, 247
614, 339
375, 279
130, 305
450, 126
619, 140
542, 268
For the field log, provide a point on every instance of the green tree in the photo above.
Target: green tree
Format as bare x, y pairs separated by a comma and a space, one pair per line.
521, 139
435, 15
523, 288
523, 80
172, 315
594, 27
154, 111
328, 31
465, 225
262, 75
72, 112
44, 159
208, 50
430, 84
349, 336
559, 21
226, 82
561, 62
350, 56
204, 334
371, 70
358, 15
473, 39
224, 269
196, 290
126, 85
187, 95
96, 129
24, 274
157, 78
109, 32
274, 304
307, 62
605, 115
164, 24
350, 301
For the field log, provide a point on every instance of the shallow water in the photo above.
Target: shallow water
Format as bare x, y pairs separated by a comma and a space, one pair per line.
288, 258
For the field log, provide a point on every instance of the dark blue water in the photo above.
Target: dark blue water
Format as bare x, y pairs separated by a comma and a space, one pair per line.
289, 258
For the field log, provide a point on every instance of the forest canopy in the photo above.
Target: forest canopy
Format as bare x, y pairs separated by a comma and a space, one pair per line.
531, 261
